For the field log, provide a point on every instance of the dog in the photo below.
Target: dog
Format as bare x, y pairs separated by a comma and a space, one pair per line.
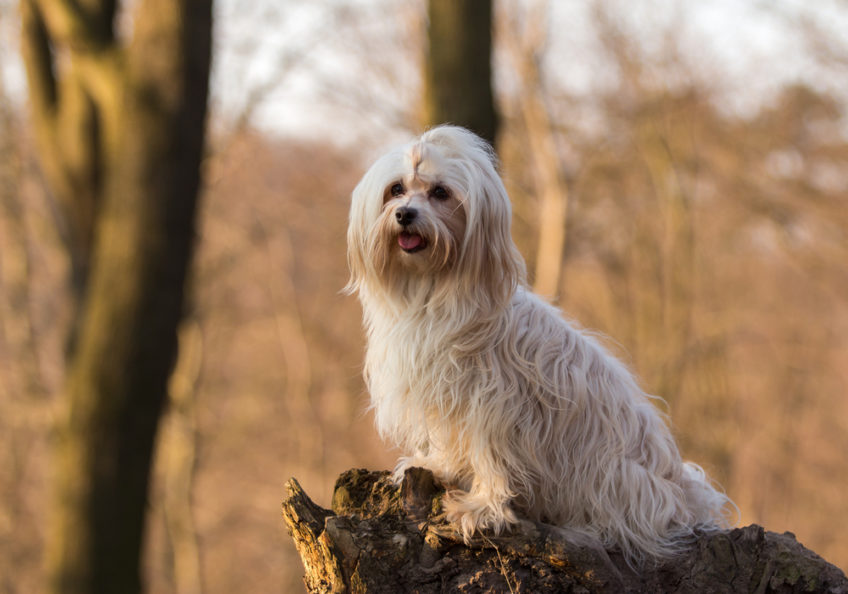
518, 411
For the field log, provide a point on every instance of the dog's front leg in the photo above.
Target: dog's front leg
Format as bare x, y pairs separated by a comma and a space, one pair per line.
485, 506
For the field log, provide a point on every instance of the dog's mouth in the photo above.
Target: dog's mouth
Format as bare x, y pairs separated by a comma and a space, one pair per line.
411, 242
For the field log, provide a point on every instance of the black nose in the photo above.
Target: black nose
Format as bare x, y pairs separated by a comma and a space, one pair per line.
405, 215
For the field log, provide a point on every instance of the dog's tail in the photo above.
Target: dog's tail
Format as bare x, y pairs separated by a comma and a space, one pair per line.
711, 507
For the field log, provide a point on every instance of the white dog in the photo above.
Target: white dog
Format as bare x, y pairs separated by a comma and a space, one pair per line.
485, 384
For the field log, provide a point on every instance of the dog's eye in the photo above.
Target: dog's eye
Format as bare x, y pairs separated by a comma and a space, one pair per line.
396, 190
440, 193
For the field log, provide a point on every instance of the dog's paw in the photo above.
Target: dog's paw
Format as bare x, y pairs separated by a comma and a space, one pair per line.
473, 513
406, 462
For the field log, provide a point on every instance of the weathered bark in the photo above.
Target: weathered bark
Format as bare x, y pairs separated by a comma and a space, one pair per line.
383, 538
120, 131
458, 70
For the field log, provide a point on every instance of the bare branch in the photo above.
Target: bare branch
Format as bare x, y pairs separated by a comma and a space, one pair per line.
80, 26
525, 49
38, 60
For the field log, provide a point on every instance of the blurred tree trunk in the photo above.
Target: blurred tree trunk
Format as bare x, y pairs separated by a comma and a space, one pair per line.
178, 459
120, 131
458, 71
526, 46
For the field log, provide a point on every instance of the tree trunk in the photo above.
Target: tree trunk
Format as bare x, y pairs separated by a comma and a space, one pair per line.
381, 538
458, 70
120, 130
526, 45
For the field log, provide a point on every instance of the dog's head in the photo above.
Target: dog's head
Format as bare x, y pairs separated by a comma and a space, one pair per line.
434, 213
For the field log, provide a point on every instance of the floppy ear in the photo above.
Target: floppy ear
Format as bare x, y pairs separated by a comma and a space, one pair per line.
365, 206
490, 259
356, 261
490, 267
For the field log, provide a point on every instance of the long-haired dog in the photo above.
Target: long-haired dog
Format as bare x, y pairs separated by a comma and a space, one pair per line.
485, 384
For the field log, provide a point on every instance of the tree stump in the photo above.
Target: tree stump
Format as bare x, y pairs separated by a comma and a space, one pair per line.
382, 538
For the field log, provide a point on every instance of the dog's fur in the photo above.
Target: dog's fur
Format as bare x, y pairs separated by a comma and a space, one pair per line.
485, 384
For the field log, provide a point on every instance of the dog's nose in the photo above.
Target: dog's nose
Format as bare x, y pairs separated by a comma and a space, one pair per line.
405, 215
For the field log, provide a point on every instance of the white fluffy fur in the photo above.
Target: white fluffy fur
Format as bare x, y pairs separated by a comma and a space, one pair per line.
482, 382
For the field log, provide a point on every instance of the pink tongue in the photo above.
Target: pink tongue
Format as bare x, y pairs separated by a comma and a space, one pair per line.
409, 241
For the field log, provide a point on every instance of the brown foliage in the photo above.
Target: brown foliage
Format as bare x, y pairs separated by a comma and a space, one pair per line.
759, 374
710, 247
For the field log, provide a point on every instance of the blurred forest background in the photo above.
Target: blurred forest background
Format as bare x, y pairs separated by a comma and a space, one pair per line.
679, 176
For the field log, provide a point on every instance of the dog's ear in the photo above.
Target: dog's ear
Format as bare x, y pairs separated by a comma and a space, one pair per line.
355, 242
365, 204
367, 256
490, 260
490, 267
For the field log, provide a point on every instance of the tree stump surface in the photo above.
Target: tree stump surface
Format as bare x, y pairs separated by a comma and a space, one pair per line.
381, 538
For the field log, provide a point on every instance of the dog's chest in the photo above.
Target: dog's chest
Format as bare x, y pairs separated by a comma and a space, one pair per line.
411, 355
